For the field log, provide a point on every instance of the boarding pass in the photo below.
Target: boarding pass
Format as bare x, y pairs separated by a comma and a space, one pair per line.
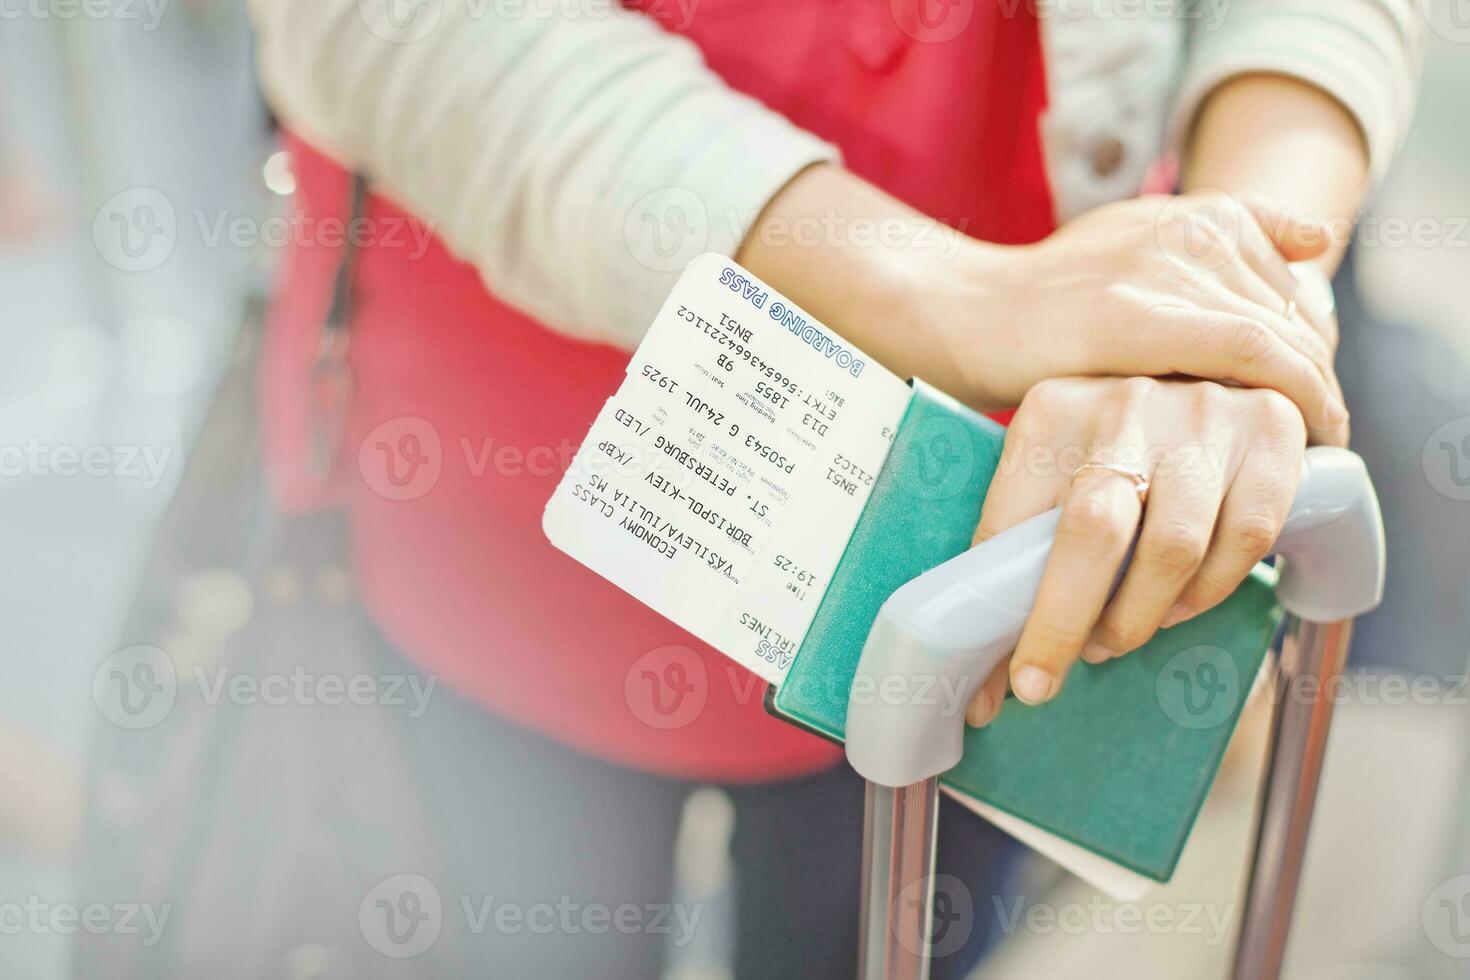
720, 484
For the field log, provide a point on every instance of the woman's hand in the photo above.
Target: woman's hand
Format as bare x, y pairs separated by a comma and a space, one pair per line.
1156, 286
1223, 466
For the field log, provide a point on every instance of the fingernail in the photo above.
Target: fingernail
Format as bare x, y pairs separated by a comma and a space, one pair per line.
1033, 685
982, 710
1096, 653
1177, 614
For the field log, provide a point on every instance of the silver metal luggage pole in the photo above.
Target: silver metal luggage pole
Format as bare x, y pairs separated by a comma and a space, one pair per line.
955, 623
900, 826
1302, 713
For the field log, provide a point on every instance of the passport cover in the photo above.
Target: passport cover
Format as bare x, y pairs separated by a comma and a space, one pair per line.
1120, 762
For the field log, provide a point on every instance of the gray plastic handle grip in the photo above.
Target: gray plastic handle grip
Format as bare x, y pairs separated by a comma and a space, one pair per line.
946, 630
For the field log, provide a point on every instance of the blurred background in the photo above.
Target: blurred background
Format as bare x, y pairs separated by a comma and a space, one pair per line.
143, 207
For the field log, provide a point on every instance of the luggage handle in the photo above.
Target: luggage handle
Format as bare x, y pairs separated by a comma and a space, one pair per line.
960, 619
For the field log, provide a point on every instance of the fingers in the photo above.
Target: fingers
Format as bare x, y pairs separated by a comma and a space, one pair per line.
1268, 241
1099, 515
1183, 501
1247, 275
1251, 516
1030, 478
1246, 351
1315, 297
1254, 299
1294, 237
1246, 294
1018, 494
986, 704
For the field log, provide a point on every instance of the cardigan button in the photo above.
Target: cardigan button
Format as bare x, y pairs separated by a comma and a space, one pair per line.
1107, 156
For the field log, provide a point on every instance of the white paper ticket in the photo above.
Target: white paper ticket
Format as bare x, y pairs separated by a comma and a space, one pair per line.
721, 483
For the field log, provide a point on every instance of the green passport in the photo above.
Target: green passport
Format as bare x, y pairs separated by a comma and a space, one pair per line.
1109, 775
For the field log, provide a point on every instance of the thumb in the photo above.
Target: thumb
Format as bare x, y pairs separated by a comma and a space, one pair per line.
1298, 237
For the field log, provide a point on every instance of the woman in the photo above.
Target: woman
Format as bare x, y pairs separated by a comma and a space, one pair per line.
571, 157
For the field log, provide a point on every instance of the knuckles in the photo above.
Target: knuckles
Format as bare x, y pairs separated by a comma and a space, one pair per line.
1254, 534
1123, 635
1177, 548
1247, 341
1278, 414
1094, 518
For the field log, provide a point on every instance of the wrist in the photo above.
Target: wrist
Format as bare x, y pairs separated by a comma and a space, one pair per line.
877, 272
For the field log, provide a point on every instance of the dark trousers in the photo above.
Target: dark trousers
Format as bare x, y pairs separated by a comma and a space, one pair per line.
531, 822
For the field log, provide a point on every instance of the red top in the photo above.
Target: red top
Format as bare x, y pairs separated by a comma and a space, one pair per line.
466, 412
